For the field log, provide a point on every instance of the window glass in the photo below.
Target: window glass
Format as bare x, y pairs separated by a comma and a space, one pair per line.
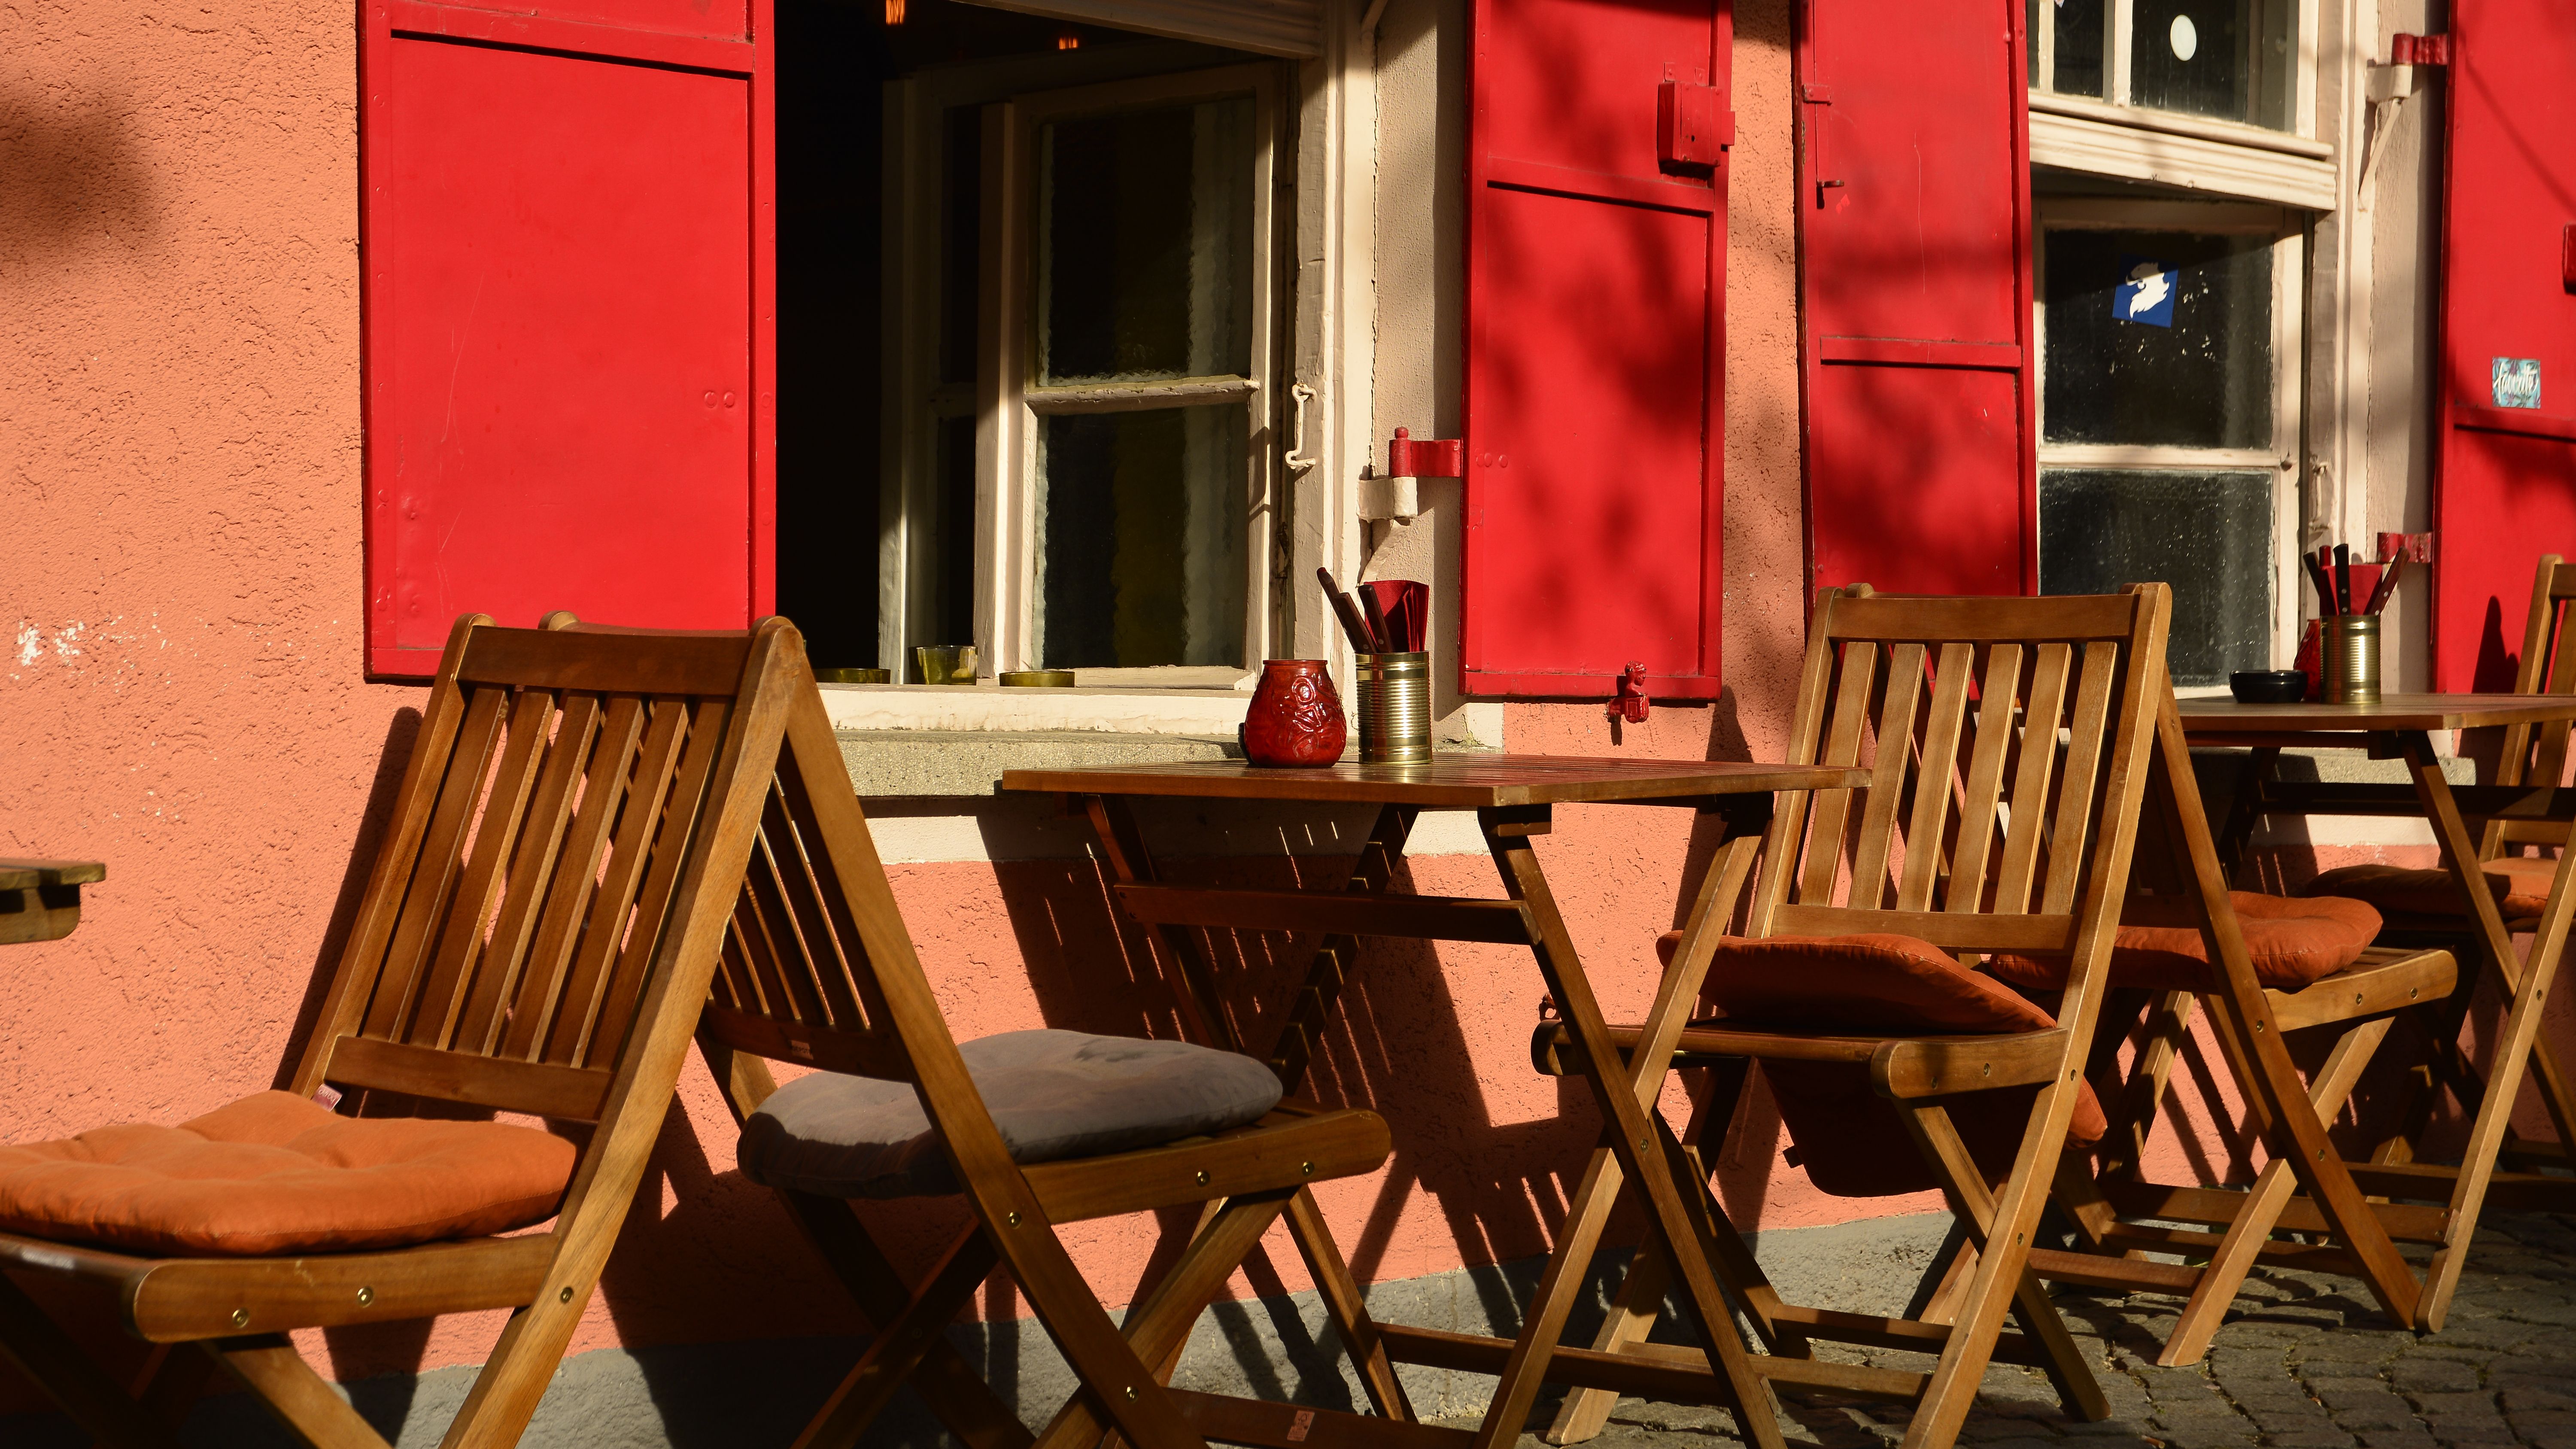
2078, 42
1144, 261
2209, 535
1141, 527
2158, 338
2220, 58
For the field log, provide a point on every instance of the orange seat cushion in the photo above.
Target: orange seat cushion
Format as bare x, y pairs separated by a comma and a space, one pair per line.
2293, 941
1849, 1139
275, 1173
2520, 882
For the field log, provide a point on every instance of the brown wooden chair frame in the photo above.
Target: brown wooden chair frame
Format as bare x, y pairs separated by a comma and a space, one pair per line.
1945, 765
818, 970
545, 910
2306, 1188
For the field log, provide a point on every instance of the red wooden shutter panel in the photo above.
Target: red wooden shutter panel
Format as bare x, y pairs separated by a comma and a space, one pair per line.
2505, 489
567, 238
1596, 287
1915, 308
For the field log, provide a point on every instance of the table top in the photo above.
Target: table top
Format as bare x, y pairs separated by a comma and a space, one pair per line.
2393, 713
23, 875
1446, 781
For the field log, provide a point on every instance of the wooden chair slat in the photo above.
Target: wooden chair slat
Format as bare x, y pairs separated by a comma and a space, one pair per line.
540, 847
605, 911
733, 972
824, 955
460, 796
1976, 619
1895, 734
2087, 738
1982, 798
614, 1011
2052, 666
752, 922
668, 664
1935, 784
786, 957
496, 835
603, 772
1847, 721
574, 1093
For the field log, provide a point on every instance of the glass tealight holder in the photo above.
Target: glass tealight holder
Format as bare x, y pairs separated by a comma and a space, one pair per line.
946, 663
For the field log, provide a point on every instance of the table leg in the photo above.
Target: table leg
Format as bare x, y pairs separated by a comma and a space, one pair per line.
1677, 1221
2526, 991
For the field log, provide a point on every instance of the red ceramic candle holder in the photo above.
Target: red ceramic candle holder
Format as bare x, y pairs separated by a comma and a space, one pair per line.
1296, 717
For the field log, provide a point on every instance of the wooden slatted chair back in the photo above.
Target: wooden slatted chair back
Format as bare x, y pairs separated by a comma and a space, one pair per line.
2004, 740
816, 942
543, 859
2534, 753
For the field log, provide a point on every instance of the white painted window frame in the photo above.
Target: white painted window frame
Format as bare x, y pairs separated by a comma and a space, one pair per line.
1010, 400
2281, 458
2110, 136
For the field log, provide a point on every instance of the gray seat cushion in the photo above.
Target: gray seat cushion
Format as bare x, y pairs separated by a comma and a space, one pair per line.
1053, 1094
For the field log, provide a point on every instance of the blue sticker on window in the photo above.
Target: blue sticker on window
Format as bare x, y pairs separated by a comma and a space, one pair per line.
2145, 293
2517, 382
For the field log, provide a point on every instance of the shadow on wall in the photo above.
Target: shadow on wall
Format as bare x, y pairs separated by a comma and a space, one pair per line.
71, 175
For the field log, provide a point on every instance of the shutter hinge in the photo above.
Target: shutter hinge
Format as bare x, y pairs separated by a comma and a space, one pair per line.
1392, 494
1629, 701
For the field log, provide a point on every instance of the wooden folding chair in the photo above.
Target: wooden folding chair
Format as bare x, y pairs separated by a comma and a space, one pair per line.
2008, 742
2120, 1215
818, 970
537, 934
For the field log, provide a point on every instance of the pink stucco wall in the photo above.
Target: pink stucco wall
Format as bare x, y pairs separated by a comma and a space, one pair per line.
182, 698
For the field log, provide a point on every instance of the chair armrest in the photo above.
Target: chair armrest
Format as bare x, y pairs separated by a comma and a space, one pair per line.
1935, 1066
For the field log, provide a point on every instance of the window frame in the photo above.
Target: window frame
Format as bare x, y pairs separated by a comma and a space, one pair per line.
2289, 401
1010, 401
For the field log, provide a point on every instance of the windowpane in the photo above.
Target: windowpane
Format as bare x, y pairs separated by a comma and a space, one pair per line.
1145, 259
1141, 531
2209, 535
2158, 337
2223, 58
2079, 44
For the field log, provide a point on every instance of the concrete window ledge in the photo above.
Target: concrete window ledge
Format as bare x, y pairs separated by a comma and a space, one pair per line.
935, 762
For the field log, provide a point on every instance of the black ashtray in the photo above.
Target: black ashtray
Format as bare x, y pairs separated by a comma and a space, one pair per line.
2268, 686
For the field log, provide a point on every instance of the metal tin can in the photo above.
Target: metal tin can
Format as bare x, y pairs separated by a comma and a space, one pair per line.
1395, 708
2351, 659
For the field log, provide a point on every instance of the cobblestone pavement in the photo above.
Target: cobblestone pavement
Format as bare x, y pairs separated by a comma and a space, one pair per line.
2306, 1362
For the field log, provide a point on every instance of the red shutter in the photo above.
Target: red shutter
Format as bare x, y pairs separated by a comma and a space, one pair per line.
1914, 232
567, 234
2505, 492
1596, 286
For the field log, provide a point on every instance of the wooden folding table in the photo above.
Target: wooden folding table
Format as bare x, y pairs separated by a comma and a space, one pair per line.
1513, 796
2400, 727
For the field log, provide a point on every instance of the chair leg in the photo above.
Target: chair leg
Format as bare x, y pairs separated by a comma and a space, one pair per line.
1160, 1325
2225, 1273
2002, 1278
288, 1388
1632, 1316
944, 1379
1347, 1308
32, 1343
901, 1342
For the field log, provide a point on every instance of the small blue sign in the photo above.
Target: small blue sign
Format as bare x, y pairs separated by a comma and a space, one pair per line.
2517, 382
2145, 293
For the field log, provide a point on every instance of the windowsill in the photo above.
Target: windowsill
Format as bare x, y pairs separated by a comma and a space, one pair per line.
891, 707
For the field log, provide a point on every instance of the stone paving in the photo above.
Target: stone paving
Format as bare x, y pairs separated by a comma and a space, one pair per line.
2306, 1362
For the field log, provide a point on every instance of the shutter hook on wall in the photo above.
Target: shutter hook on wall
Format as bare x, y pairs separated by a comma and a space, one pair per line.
1295, 459
1629, 702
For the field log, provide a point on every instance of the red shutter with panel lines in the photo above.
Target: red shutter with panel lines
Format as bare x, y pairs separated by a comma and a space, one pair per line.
1596, 286
1914, 295
567, 234
2505, 489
